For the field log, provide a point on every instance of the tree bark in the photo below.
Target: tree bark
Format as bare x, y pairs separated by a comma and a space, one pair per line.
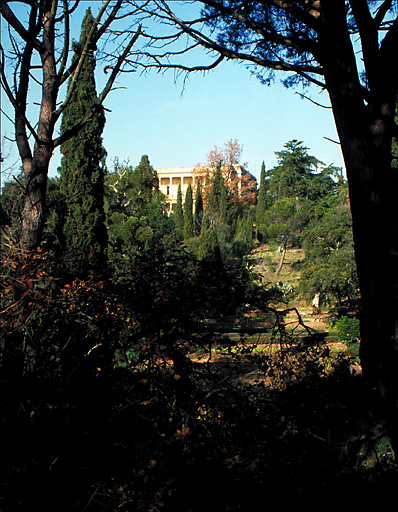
365, 133
33, 213
36, 168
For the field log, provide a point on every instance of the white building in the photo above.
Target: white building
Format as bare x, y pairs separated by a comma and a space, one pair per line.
171, 177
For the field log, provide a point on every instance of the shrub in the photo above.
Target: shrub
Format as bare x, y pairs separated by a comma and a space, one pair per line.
347, 329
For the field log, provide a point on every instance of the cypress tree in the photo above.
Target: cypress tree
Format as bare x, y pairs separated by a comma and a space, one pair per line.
179, 215
188, 214
208, 243
222, 206
217, 185
82, 168
198, 209
261, 205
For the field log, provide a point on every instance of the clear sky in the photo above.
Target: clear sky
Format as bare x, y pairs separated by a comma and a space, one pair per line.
176, 126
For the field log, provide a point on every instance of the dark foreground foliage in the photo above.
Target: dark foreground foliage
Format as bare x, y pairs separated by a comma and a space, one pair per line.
104, 407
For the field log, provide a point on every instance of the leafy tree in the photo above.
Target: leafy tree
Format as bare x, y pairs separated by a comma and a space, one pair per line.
261, 205
82, 166
329, 269
241, 186
188, 214
137, 218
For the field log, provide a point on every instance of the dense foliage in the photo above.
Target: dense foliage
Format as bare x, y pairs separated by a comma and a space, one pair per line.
120, 393
82, 168
138, 225
116, 394
330, 269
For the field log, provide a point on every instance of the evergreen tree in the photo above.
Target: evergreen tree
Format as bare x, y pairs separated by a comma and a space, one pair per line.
329, 268
243, 239
188, 214
179, 215
217, 185
137, 218
82, 168
198, 209
294, 172
223, 206
208, 243
261, 206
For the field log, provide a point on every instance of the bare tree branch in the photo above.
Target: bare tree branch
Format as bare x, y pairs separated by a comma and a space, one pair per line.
101, 98
13, 21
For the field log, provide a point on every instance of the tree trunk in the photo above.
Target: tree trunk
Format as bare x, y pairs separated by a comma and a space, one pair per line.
281, 261
365, 134
33, 213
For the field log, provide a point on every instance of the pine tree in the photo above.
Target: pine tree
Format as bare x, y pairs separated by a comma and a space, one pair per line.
82, 168
261, 206
188, 214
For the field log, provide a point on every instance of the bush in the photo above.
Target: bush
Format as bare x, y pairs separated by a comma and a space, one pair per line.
347, 329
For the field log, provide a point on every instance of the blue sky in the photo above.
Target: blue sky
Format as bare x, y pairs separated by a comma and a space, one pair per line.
176, 124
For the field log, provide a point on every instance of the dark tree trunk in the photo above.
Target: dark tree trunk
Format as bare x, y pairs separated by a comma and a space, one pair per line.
36, 170
33, 213
365, 132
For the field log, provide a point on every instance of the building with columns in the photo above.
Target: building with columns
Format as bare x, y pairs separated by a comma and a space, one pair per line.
171, 177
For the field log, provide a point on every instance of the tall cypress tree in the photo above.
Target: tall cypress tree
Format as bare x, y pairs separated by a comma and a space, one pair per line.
261, 205
82, 168
179, 215
217, 186
188, 213
223, 205
198, 209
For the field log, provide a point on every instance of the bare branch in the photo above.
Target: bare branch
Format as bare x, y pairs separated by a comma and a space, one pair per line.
108, 87
12, 20
65, 50
312, 101
382, 11
80, 61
